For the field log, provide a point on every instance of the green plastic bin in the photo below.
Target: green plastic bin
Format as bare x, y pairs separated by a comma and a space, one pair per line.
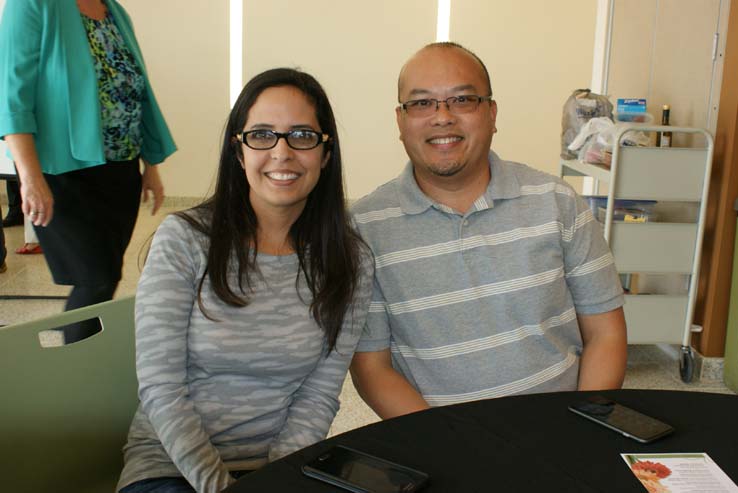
731, 341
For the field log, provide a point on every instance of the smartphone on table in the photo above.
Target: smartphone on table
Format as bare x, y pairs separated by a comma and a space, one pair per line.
626, 421
363, 473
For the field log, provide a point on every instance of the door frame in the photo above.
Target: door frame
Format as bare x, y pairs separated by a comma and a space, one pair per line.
713, 299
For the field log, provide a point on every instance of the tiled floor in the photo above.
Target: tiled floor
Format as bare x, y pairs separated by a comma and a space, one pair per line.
648, 366
29, 275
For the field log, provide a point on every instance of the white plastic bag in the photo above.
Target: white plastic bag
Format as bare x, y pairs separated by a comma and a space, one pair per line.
592, 127
582, 106
596, 138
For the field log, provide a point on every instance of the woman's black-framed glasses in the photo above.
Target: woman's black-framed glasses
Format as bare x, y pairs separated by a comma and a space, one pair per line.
300, 139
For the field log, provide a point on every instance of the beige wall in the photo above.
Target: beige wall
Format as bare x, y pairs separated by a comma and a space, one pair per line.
665, 56
537, 51
185, 45
355, 49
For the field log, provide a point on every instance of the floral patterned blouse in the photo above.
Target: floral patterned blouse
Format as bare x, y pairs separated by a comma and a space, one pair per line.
121, 88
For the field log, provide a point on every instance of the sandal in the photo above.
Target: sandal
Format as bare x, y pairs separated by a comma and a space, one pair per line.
27, 249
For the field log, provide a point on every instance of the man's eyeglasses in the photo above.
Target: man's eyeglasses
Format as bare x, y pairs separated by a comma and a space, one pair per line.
456, 105
301, 139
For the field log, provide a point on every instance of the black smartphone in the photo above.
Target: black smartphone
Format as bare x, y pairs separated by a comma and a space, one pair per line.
622, 419
363, 473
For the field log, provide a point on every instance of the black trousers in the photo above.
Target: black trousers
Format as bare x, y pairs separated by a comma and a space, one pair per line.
3, 250
12, 187
95, 211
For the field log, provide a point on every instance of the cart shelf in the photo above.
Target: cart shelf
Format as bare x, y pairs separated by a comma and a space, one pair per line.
665, 175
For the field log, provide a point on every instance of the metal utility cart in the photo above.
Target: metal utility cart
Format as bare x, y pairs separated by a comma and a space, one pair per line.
670, 175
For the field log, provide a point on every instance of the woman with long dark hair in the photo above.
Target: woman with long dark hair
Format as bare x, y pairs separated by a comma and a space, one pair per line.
250, 305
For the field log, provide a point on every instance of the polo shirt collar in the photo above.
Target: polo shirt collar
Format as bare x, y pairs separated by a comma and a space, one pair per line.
503, 185
504, 182
411, 198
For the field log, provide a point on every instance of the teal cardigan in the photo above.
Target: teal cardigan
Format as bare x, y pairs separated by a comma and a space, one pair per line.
48, 85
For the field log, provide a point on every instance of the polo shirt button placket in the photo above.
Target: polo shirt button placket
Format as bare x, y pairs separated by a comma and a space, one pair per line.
464, 223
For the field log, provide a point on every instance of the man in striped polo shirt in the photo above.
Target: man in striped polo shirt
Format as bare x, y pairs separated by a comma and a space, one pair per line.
492, 278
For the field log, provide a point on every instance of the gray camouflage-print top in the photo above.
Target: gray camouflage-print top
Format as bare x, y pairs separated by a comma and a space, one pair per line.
237, 393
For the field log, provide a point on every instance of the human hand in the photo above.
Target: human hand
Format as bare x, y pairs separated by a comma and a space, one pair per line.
37, 199
151, 186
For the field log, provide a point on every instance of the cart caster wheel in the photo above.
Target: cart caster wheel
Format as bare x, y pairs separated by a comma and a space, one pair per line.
686, 365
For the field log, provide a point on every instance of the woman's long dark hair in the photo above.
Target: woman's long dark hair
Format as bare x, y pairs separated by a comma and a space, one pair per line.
327, 247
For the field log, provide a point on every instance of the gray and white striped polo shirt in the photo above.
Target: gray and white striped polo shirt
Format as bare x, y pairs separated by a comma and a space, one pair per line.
485, 304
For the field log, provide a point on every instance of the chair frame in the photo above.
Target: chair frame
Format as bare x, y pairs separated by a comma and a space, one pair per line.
66, 410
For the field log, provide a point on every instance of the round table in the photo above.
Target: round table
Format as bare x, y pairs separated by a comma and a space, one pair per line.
524, 443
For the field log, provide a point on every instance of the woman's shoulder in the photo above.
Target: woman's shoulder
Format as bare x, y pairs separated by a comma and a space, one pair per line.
364, 252
114, 4
32, 4
364, 275
366, 259
19, 9
43, 8
185, 225
177, 245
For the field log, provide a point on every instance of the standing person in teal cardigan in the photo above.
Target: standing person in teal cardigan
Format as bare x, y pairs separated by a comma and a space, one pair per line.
78, 114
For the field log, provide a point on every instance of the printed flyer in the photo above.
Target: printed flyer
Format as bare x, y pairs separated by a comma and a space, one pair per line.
679, 473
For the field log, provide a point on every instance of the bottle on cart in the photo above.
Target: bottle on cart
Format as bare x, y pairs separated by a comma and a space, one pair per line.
663, 139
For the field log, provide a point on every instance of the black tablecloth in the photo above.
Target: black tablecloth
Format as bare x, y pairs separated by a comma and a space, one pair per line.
524, 443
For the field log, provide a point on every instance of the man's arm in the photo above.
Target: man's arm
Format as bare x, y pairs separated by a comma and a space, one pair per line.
605, 350
387, 392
